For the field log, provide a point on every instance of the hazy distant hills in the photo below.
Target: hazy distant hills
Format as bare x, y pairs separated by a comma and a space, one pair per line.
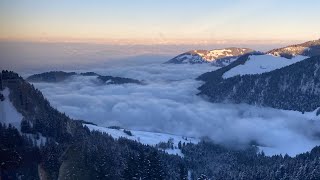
59, 76
217, 57
284, 78
52, 76
117, 80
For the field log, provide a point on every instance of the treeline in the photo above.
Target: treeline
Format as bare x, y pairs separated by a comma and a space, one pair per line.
211, 161
58, 76
19, 156
99, 156
93, 155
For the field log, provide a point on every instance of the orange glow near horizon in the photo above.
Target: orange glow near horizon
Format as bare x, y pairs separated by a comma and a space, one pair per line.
150, 41
165, 22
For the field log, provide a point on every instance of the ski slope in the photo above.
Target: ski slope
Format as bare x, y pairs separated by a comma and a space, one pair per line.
148, 138
258, 64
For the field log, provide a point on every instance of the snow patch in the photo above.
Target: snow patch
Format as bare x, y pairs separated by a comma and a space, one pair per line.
205, 56
174, 151
258, 64
290, 149
38, 139
8, 113
147, 138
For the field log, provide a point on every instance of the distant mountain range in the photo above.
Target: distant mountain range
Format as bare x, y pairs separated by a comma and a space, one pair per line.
284, 78
224, 57
217, 57
59, 76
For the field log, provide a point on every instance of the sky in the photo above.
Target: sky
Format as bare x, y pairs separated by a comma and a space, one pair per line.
164, 22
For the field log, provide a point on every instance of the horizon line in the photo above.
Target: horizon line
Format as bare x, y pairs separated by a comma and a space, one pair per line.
153, 41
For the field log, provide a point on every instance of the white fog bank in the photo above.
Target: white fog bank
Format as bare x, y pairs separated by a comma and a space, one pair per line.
168, 103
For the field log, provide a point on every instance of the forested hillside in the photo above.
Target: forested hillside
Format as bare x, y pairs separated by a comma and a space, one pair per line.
59, 76
71, 151
294, 87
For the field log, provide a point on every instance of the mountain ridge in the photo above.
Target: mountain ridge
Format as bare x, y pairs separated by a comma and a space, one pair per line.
217, 57
59, 76
309, 48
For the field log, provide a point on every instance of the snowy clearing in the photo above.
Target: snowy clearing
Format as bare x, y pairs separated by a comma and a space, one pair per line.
8, 113
258, 64
148, 138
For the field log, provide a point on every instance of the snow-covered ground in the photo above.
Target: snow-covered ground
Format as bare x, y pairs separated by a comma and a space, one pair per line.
153, 138
258, 64
8, 113
148, 138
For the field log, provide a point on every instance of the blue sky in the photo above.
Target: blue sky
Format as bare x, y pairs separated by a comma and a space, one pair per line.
160, 20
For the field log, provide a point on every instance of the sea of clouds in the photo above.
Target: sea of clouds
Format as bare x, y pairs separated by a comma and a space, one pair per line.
168, 103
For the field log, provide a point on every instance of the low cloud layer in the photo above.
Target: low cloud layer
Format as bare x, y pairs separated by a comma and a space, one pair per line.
168, 103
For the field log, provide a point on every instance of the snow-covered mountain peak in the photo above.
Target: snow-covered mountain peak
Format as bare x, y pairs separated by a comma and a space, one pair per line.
310, 48
218, 57
215, 54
